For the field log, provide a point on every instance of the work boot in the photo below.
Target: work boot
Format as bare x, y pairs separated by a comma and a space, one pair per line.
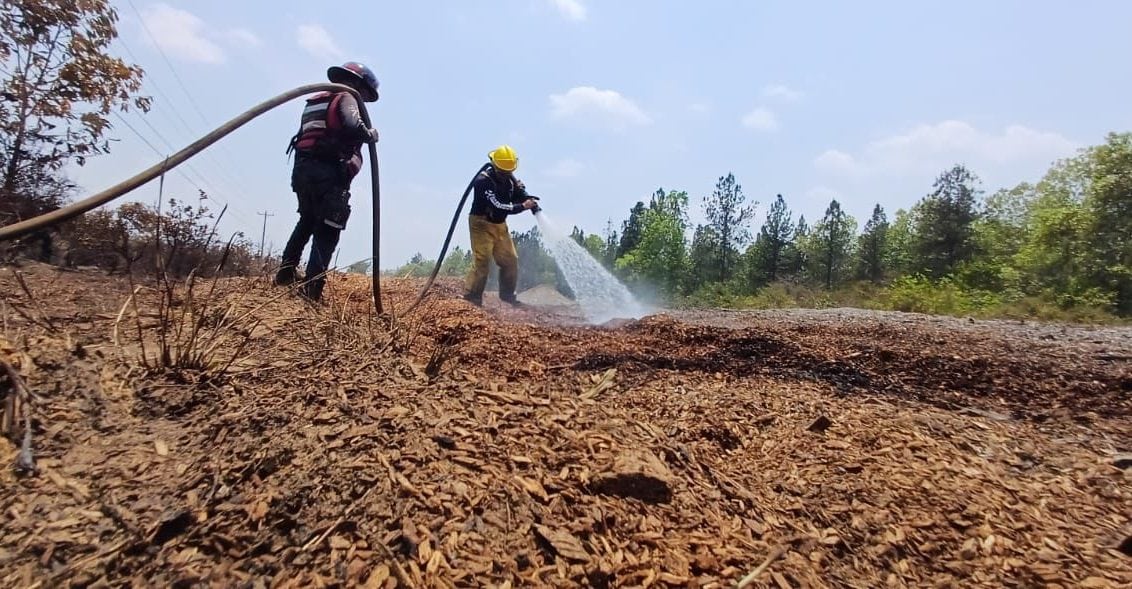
511, 300
312, 291
473, 299
286, 276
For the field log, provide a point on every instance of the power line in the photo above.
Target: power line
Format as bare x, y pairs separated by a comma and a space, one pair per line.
235, 210
235, 182
215, 194
184, 89
172, 69
211, 188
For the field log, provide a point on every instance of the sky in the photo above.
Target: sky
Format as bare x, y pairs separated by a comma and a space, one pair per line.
866, 102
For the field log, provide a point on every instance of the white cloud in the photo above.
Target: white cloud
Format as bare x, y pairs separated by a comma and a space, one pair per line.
601, 107
181, 34
837, 161
317, 41
760, 119
243, 37
782, 92
566, 168
932, 147
571, 9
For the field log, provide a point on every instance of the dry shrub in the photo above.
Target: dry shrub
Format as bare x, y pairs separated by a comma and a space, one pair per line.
197, 327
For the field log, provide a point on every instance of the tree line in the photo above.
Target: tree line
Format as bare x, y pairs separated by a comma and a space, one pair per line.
1062, 243
1065, 240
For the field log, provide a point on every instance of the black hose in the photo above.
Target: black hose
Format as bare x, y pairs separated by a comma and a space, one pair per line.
447, 239
77, 208
375, 193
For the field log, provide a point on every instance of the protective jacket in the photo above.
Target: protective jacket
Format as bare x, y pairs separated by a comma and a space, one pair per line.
331, 129
496, 196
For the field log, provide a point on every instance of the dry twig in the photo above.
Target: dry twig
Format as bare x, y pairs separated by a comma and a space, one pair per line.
773, 556
25, 461
323, 536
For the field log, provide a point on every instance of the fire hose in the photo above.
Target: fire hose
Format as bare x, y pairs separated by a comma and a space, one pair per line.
75, 209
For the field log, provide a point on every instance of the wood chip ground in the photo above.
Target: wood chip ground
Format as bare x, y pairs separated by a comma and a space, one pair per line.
496, 447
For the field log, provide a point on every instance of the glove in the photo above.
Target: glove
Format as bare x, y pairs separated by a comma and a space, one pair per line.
372, 136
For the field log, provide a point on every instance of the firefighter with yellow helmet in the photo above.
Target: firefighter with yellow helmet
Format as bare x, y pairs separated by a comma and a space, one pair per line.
498, 194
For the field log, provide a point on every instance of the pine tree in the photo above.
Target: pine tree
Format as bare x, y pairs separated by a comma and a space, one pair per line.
728, 214
944, 236
829, 246
631, 229
872, 247
795, 254
774, 238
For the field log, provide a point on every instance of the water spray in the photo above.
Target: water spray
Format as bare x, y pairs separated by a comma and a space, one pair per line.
598, 293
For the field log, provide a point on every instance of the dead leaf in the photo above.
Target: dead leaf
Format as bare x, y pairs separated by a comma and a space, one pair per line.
534, 488
601, 384
563, 543
161, 447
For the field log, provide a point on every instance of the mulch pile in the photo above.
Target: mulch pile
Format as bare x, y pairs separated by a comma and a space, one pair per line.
515, 447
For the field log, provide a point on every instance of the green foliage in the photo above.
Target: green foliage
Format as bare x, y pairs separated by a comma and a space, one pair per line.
457, 262
660, 260
1108, 205
795, 254
416, 267
872, 247
768, 259
900, 242
631, 230
704, 255
829, 247
917, 294
728, 215
536, 266
612, 243
943, 231
594, 244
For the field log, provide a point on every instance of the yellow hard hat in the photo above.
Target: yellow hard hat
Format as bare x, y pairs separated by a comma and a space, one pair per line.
504, 158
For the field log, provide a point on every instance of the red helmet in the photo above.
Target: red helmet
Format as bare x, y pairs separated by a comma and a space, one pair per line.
352, 72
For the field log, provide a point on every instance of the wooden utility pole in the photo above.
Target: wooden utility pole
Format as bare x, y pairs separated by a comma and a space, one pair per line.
263, 233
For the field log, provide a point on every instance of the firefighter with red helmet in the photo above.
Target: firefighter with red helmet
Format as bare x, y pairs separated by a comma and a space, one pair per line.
328, 154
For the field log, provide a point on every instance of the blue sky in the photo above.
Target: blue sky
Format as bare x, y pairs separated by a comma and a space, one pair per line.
606, 101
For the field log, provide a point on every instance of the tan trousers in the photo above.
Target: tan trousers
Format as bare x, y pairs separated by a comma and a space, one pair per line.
491, 241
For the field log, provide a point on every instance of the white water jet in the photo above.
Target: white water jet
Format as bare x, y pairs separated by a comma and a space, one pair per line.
599, 294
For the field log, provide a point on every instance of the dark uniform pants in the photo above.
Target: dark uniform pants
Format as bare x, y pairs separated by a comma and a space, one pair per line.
322, 189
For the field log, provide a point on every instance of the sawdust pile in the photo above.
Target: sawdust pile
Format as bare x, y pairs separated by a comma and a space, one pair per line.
468, 447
